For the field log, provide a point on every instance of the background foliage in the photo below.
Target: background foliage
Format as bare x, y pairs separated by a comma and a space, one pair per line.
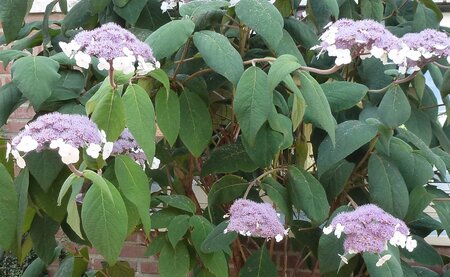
233, 119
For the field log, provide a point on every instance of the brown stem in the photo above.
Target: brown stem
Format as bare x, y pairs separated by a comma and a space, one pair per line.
111, 76
236, 258
285, 262
188, 185
75, 171
181, 61
441, 65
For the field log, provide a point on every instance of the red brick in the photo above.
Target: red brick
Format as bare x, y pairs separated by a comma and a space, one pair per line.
23, 113
14, 126
3, 69
149, 268
133, 251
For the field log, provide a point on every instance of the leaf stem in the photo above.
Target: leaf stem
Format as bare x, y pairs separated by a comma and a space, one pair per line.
260, 177
75, 171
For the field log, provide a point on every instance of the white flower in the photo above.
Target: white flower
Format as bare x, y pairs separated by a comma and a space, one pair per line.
233, 3
143, 68
383, 259
27, 144
19, 160
413, 55
103, 64
69, 48
129, 53
402, 69
93, 150
339, 229
410, 244
103, 134
226, 216
377, 52
69, 154
448, 59
398, 239
8, 151
225, 231
107, 150
329, 36
248, 234
440, 47
54, 144
155, 163
328, 230
278, 238
124, 64
343, 259
398, 57
82, 60
343, 56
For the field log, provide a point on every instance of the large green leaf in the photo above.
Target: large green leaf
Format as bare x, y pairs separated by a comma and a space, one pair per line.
227, 159
219, 54
387, 186
322, 11
443, 210
218, 240
69, 86
424, 18
278, 194
38, 163
423, 253
391, 268
350, 136
343, 95
266, 146
259, 264
301, 32
252, 102
35, 77
151, 17
419, 123
77, 16
307, 194
140, 116
317, 108
134, 184
170, 37
419, 199
196, 124
394, 109
263, 17
12, 15
287, 46
178, 201
131, 11
200, 7
335, 179
280, 68
372, 9
177, 228
105, 221
167, 109
109, 115
8, 209
43, 231
10, 99
298, 103
174, 261
226, 189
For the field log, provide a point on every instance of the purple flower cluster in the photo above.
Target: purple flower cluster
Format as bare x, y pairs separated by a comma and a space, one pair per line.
126, 144
346, 39
249, 218
368, 229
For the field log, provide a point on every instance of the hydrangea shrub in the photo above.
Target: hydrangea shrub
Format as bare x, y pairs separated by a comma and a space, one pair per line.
318, 130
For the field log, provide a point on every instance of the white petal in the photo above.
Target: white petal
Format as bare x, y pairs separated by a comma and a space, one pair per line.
410, 244
19, 160
155, 163
93, 150
103, 64
278, 238
54, 144
383, 259
328, 230
8, 151
107, 150
82, 60
27, 144
343, 259
69, 154
339, 229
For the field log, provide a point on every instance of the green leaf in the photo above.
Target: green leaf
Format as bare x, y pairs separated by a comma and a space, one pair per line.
156, 245
219, 54
77, 16
282, 124
419, 199
266, 146
303, 33
105, 221
151, 17
218, 240
43, 231
69, 86
335, 179
12, 15
343, 95
196, 124
372, 9
110, 115
131, 11
6, 56
298, 103
8, 209
433, 6
162, 77
35, 77
419, 85
226, 189
280, 68
10, 99
162, 218
252, 102
419, 123
38, 163
387, 187
423, 253
317, 108
35, 268
174, 261
394, 109
177, 228
120, 3
307, 194
120, 269
350, 136
134, 185
200, 8
278, 194
391, 268
322, 11
167, 108
98, 6
140, 116
425, 18
21, 185
178, 201
170, 37
287, 46
263, 17
227, 159
259, 264
99, 181
443, 210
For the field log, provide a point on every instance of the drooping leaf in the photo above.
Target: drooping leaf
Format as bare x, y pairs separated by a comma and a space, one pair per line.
287, 46
301, 32
218, 240
167, 109
390, 268
10, 99
43, 231
350, 136
419, 123
419, 199
394, 109
298, 103
174, 261
281, 67
131, 11
177, 228
266, 146
12, 15
38, 164
218, 54
226, 189
134, 184
178, 201
109, 115
140, 117
423, 253
252, 102
8, 209
372, 9
167, 39
105, 221
424, 18
259, 264
343, 95
443, 210
196, 124
335, 178
278, 194
35, 77
307, 194
387, 186
322, 11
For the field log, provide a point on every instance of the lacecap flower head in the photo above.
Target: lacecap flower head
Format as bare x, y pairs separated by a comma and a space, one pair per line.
63, 132
113, 46
126, 144
368, 229
252, 219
